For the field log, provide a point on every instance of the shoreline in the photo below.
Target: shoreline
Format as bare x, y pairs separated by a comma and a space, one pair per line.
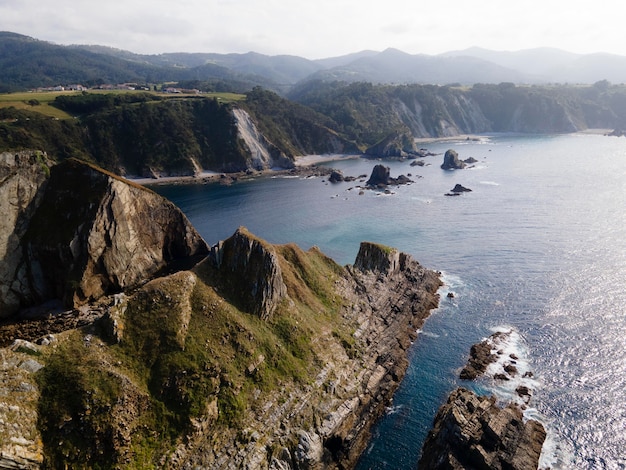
307, 165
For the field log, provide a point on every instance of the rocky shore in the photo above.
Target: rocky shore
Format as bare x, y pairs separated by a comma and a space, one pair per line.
472, 431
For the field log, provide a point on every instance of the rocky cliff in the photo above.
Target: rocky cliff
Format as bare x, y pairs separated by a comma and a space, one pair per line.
89, 234
249, 273
263, 154
23, 177
227, 387
261, 356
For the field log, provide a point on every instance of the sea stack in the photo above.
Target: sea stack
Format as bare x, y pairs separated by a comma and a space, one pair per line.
451, 161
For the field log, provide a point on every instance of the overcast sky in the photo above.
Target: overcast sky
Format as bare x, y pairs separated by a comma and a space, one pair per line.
320, 28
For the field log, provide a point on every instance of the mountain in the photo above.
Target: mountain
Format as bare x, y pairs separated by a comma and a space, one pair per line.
538, 64
394, 66
543, 65
29, 63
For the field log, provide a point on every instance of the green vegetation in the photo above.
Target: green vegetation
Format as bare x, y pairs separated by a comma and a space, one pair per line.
139, 133
184, 352
292, 127
31, 101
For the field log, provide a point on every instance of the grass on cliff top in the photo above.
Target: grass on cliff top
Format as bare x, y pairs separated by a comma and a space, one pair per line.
225, 356
41, 102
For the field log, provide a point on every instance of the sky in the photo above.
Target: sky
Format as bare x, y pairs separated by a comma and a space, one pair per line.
317, 29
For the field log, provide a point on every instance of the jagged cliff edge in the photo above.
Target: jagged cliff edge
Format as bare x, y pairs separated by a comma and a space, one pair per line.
298, 359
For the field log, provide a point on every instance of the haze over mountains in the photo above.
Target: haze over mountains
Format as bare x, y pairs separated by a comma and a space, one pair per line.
26, 63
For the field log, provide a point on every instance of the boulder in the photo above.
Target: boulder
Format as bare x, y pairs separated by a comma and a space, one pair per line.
474, 432
451, 161
336, 176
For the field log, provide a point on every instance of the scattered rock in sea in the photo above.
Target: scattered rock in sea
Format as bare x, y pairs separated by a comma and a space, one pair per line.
380, 178
451, 161
470, 160
336, 176
458, 190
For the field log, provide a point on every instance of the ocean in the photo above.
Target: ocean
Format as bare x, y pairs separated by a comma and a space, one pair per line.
538, 247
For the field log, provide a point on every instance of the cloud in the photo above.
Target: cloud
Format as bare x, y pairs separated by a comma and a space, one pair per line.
316, 29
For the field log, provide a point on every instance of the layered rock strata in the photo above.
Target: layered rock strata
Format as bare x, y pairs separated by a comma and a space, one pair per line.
472, 432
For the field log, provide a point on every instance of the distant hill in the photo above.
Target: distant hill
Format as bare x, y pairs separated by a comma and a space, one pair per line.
542, 65
394, 66
28, 63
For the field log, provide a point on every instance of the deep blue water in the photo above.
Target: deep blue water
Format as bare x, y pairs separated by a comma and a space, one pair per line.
538, 246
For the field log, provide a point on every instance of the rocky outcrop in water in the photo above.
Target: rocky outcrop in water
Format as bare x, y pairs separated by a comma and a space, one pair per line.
472, 432
458, 190
94, 234
451, 161
380, 178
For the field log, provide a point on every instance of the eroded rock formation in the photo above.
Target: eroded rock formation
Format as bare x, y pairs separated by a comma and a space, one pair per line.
451, 161
249, 273
381, 178
472, 432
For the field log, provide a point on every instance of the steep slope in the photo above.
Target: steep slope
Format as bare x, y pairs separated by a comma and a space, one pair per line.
23, 176
93, 234
175, 375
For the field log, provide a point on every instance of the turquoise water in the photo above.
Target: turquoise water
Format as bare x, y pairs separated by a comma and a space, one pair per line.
538, 246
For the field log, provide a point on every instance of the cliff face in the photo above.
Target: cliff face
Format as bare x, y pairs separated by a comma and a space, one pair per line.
22, 182
93, 234
249, 273
263, 155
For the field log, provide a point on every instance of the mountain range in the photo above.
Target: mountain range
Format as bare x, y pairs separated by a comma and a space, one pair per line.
26, 63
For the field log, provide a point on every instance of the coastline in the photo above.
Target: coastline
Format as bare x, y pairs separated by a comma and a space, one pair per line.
307, 165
